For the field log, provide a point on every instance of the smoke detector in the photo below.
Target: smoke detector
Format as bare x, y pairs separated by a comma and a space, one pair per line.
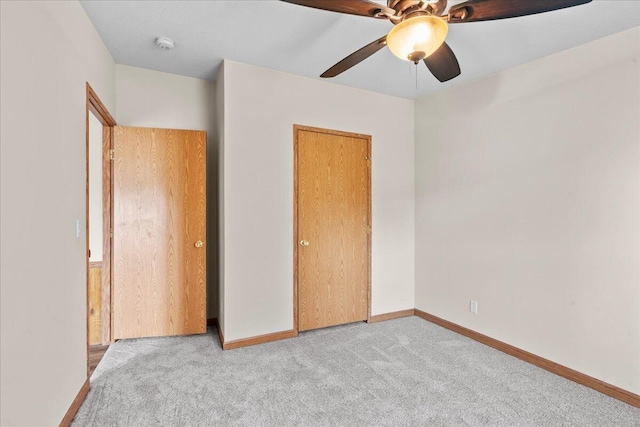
165, 43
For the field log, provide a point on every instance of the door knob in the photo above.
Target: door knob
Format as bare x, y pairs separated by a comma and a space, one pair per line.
304, 243
199, 244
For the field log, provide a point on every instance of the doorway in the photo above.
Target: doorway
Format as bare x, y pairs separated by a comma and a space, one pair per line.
332, 228
145, 231
99, 130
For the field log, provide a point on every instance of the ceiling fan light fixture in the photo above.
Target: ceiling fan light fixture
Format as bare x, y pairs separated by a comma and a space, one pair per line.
418, 37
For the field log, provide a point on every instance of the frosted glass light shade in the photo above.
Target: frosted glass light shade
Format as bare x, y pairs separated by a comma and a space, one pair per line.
416, 38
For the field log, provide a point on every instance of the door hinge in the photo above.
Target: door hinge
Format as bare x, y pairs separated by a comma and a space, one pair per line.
368, 159
111, 234
111, 154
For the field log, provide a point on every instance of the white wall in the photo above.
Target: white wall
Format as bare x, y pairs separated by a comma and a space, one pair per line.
95, 188
49, 50
215, 168
147, 98
261, 107
528, 201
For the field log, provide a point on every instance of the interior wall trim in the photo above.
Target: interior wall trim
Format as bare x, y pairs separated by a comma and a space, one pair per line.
276, 336
391, 316
213, 321
553, 367
220, 334
97, 107
260, 339
94, 105
75, 405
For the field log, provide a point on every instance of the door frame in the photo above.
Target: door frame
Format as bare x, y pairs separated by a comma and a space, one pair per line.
95, 106
296, 130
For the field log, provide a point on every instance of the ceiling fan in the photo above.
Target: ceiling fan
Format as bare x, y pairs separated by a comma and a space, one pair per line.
420, 27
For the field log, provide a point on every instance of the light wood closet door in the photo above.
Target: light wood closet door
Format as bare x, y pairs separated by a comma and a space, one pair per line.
159, 231
333, 227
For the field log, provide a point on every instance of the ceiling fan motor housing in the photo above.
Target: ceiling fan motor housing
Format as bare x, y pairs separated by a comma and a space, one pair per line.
404, 8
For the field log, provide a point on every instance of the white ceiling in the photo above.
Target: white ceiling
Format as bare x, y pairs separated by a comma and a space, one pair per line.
305, 41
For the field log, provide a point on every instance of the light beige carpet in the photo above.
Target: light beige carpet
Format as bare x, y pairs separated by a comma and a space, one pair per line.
405, 372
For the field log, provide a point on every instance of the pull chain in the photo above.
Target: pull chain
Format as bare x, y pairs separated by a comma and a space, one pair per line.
416, 75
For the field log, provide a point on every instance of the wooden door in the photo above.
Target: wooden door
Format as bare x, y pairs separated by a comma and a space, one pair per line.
159, 231
95, 303
333, 227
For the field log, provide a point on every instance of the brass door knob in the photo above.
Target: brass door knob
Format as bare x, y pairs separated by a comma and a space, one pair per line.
304, 243
199, 244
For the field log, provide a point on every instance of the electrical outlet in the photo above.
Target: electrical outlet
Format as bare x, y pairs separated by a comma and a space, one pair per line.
78, 228
473, 306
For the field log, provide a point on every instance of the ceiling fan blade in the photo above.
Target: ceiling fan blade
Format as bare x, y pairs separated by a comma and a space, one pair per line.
487, 10
443, 63
352, 7
356, 57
